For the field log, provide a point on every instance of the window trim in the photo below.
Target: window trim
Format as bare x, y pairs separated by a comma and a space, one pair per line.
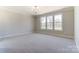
45, 23
52, 22
62, 22
53, 25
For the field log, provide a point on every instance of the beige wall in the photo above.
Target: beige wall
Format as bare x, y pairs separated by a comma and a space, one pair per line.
12, 24
68, 23
77, 26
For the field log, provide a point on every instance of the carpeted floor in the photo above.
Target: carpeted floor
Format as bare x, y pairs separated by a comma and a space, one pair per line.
37, 43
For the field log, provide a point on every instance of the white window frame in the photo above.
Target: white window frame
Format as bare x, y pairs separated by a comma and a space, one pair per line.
53, 22
50, 23
59, 22
41, 24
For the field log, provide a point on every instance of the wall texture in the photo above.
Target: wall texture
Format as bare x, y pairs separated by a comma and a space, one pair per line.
68, 23
12, 24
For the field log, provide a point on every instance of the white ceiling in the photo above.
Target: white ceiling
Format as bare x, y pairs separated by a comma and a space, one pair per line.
45, 9
29, 9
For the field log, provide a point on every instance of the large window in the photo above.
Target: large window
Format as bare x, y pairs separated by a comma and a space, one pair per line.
58, 22
52, 22
43, 22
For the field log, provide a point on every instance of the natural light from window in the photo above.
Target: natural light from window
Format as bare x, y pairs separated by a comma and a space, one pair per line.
58, 22
50, 22
53, 22
43, 22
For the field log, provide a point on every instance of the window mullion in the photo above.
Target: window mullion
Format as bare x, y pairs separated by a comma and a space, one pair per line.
53, 22
46, 22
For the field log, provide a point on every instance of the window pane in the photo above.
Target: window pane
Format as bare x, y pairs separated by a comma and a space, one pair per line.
49, 25
43, 26
43, 22
58, 18
58, 26
58, 22
49, 18
43, 19
49, 22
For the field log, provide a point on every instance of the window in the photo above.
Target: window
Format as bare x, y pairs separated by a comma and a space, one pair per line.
50, 22
43, 22
53, 22
58, 22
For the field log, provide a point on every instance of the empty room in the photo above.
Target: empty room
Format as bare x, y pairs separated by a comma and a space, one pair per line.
38, 29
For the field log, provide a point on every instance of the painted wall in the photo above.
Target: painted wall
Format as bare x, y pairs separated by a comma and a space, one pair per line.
12, 24
77, 26
68, 23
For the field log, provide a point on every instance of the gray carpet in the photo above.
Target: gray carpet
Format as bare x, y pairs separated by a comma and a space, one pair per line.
37, 43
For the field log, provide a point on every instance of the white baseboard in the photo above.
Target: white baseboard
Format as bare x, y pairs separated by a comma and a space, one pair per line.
57, 35
20, 34
14, 35
66, 36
